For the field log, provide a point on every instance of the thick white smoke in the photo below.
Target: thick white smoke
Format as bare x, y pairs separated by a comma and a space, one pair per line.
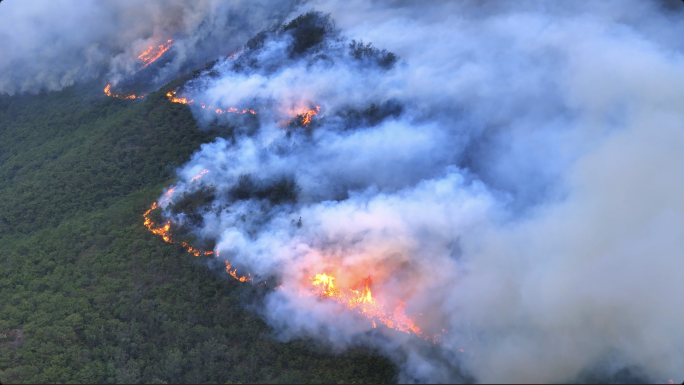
523, 192
514, 179
48, 45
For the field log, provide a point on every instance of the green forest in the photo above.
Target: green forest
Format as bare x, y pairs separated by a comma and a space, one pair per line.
88, 294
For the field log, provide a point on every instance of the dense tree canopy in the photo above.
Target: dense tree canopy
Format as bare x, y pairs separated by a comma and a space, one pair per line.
88, 294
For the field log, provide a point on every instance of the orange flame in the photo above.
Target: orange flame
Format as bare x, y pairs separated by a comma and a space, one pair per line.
150, 55
363, 302
199, 176
108, 92
234, 274
174, 99
306, 117
164, 232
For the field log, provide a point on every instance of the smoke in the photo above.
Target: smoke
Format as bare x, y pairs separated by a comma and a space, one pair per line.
48, 45
509, 177
512, 179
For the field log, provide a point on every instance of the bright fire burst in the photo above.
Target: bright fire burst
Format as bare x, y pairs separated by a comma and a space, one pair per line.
359, 297
362, 301
151, 54
165, 232
108, 92
306, 117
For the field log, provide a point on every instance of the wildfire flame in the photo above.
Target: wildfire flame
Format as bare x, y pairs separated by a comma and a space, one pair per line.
199, 176
165, 232
306, 117
323, 284
363, 301
108, 92
172, 97
234, 274
151, 54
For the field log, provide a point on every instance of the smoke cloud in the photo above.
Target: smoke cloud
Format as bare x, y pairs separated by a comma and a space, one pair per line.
48, 45
512, 179
507, 174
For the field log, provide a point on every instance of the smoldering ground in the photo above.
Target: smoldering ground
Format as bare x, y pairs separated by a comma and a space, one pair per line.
513, 177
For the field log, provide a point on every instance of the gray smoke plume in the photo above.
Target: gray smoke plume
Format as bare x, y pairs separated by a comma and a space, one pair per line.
514, 178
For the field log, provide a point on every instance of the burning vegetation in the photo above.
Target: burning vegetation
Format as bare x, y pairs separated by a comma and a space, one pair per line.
108, 92
174, 99
322, 285
148, 57
151, 54
165, 231
361, 299
309, 32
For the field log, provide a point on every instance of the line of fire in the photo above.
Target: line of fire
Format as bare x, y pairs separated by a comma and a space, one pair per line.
321, 285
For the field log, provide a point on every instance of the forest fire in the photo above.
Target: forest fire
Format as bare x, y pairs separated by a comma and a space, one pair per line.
108, 92
362, 300
358, 297
306, 117
233, 110
151, 54
165, 232
199, 176
233, 273
172, 97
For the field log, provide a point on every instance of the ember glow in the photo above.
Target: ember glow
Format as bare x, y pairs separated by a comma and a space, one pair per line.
306, 117
361, 299
426, 201
151, 54
172, 97
165, 232
233, 273
199, 176
108, 92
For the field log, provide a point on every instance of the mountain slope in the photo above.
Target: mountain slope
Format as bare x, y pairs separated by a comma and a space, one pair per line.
88, 294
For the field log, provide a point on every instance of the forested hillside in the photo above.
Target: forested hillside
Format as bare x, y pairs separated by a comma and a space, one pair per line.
88, 294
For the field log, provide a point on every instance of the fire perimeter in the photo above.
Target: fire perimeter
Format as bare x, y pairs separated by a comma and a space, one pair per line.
151, 54
322, 284
148, 57
305, 116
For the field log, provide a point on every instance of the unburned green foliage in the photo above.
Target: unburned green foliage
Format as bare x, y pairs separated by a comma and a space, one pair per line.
88, 294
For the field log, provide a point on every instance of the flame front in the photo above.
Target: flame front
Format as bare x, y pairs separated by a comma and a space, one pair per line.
151, 54
165, 232
199, 176
363, 301
306, 117
108, 92
172, 97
